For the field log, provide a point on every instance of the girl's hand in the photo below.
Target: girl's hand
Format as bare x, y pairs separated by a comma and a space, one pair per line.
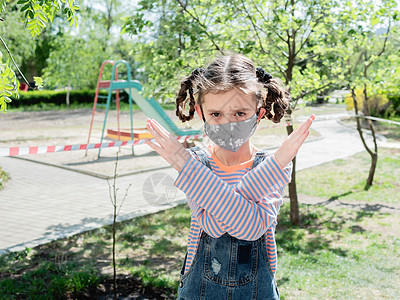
171, 150
288, 150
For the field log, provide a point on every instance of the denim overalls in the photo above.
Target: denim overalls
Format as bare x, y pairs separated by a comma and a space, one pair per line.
226, 267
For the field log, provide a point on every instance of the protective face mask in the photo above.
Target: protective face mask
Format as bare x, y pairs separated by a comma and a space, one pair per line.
231, 136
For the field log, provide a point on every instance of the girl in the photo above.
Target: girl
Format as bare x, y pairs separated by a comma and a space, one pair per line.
234, 190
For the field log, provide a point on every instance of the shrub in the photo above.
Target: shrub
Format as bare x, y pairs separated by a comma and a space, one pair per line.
59, 97
394, 108
377, 104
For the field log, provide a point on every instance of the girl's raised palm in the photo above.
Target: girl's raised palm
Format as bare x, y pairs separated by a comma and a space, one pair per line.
176, 155
171, 149
291, 145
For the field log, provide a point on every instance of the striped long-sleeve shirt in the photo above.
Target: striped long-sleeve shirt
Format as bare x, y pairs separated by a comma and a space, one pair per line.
236, 199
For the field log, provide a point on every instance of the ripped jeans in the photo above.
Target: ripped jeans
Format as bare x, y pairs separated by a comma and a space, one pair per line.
228, 268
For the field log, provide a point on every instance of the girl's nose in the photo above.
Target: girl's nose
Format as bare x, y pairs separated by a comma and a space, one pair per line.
229, 119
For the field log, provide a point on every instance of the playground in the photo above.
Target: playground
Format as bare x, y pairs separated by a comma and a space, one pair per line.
83, 194
90, 209
74, 127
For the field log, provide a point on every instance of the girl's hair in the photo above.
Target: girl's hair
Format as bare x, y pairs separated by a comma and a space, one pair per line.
227, 72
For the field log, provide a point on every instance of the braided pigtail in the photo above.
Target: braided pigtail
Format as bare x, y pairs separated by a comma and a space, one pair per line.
181, 99
278, 98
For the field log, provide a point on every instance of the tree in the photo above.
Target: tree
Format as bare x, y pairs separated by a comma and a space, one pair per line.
73, 62
289, 38
36, 15
77, 54
363, 46
19, 40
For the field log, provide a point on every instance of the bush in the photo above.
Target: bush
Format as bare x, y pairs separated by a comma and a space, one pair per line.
377, 104
59, 97
394, 108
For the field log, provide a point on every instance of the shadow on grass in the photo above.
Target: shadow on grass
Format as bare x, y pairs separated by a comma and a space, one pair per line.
310, 237
364, 209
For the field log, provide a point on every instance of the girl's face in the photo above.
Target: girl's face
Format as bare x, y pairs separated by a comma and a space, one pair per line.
227, 107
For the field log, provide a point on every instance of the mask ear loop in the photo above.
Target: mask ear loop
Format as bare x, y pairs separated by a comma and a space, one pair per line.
257, 115
202, 113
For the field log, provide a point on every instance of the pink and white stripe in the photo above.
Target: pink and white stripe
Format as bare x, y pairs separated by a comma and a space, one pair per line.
17, 151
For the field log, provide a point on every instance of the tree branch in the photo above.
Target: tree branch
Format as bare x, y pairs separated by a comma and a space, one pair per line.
308, 37
261, 14
371, 126
302, 94
353, 94
305, 59
280, 68
12, 58
383, 48
266, 33
202, 25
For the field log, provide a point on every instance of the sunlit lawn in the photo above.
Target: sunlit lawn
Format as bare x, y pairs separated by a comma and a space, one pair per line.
344, 179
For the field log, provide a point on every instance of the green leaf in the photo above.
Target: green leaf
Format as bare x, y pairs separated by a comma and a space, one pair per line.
38, 81
374, 21
25, 7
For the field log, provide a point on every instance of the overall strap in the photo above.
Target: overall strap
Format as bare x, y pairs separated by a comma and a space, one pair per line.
201, 153
259, 157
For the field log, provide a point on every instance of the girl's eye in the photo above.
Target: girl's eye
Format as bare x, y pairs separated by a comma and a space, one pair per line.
241, 114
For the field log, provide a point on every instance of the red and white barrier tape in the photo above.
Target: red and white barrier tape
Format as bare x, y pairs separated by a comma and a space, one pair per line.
14, 151
379, 119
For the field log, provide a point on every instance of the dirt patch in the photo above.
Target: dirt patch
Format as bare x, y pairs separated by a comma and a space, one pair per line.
128, 287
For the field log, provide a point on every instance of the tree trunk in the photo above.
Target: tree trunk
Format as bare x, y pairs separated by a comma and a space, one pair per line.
374, 161
294, 203
374, 155
68, 90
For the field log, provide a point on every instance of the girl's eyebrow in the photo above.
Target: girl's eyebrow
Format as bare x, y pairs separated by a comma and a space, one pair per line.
236, 109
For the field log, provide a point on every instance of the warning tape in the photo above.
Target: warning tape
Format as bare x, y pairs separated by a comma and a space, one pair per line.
379, 119
14, 151
17, 151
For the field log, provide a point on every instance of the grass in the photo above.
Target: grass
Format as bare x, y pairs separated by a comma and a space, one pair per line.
334, 254
338, 254
4, 177
34, 275
344, 179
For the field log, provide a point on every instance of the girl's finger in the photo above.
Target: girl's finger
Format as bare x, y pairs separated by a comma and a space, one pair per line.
156, 135
305, 125
155, 147
163, 132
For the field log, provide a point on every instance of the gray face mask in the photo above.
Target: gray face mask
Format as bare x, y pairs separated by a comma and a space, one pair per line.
231, 136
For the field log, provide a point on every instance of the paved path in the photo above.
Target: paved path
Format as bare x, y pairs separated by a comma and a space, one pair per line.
42, 203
